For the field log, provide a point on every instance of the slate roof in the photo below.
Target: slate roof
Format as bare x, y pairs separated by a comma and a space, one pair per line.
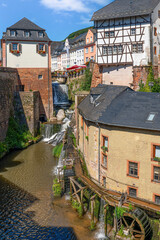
121, 106
25, 25
56, 47
125, 8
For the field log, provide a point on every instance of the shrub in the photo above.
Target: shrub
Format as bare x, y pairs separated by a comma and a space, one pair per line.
57, 150
57, 190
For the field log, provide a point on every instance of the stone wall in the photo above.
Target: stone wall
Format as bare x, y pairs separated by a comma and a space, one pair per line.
97, 75
29, 78
27, 110
8, 82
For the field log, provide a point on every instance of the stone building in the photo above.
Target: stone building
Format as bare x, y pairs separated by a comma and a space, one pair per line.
26, 47
119, 136
127, 41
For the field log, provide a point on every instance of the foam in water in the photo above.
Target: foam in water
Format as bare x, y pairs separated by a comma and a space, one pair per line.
60, 94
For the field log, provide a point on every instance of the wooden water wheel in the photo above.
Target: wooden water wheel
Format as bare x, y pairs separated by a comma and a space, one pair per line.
137, 225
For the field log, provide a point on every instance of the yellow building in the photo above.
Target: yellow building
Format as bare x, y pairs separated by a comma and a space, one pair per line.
119, 136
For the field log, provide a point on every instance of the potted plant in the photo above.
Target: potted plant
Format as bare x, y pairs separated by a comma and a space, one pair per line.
104, 149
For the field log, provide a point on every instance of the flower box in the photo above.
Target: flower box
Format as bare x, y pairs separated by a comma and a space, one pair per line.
105, 149
156, 159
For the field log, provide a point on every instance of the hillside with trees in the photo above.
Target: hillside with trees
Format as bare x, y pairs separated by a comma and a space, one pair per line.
77, 33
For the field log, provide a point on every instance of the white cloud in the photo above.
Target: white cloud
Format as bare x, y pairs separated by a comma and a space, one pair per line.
4, 5
85, 20
66, 5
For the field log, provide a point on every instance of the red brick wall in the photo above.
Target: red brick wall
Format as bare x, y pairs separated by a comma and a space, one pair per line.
3, 53
97, 75
141, 73
29, 78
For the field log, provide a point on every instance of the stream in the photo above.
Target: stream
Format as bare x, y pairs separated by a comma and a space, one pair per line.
27, 207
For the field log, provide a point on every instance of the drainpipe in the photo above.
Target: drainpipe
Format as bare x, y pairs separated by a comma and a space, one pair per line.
48, 81
99, 135
151, 39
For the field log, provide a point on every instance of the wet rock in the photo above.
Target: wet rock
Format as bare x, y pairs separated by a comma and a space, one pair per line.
60, 115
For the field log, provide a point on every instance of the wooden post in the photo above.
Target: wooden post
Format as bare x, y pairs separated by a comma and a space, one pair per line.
105, 220
92, 210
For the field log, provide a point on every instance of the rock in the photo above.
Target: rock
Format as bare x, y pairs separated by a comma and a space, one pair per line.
60, 115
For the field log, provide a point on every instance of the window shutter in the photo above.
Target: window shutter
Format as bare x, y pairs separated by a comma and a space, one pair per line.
154, 150
10, 47
20, 48
37, 48
46, 48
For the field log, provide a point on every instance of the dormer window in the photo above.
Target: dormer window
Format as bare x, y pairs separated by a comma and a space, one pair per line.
40, 34
26, 34
12, 33
151, 117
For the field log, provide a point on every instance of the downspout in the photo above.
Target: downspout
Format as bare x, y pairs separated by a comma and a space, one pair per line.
151, 39
99, 163
48, 82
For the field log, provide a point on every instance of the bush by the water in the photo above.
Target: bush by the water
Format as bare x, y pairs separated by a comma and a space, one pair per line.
57, 190
57, 150
18, 137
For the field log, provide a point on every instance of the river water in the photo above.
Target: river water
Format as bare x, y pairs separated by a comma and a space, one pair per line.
27, 207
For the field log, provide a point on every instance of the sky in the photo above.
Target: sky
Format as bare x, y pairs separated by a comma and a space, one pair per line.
58, 17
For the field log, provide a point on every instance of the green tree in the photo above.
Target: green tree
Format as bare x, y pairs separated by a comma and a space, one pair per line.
150, 78
86, 84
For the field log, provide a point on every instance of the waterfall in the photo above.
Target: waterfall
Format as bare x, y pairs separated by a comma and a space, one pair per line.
60, 94
100, 234
53, 134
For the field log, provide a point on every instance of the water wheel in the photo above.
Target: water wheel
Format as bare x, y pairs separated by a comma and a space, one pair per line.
137, 225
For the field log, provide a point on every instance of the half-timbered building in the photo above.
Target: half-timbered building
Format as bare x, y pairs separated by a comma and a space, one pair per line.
127, 41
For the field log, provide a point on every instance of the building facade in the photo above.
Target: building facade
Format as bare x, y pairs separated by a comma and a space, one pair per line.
119, 136
127, 41
26, 47
90, 47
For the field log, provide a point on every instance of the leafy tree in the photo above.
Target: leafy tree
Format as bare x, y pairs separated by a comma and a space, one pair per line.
150, 78
86, 84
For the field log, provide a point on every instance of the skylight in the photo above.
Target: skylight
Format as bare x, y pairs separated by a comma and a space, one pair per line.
151, 117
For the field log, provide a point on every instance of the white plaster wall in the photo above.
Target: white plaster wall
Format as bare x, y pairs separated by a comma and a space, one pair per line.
156, 39
54, 63
29, 58
138, 58
118, 75
80, 56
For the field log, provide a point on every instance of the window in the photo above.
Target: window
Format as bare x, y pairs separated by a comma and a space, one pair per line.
109, 34
120, 49
109, 50
140, 47
14, 46
132, 192
92, 58
86, 50
156, 153
106, 34
91, 39
112, 34
133, 169
133, 31
115, 50
134, 48
155, 31
104, 50
40, 34
40, 77
159, 13
104, 160
157, 199
41, 47
26, 34
105, 141
104, 181
87, 40
151, 117
12, 33
87, 59
156, 174
92, 49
